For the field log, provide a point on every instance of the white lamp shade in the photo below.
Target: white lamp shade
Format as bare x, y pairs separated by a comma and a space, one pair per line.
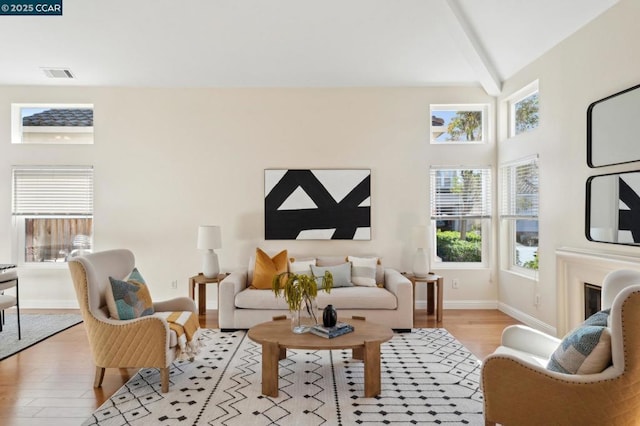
209, 237
420, 237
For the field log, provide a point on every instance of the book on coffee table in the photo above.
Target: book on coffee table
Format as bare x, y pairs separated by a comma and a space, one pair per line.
330, 332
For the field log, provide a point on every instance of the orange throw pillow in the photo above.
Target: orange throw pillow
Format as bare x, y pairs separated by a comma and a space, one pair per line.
267, 267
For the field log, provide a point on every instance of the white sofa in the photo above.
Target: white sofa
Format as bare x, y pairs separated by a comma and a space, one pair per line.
241, 307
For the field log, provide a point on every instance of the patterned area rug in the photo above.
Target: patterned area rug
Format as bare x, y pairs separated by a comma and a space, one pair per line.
34, 329
428, 377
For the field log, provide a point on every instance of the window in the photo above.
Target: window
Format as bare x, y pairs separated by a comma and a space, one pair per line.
53, 212
523, 110
459, 123
52, 123
461, 213
519, 211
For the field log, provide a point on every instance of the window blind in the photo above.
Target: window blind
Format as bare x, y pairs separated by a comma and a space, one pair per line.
458, 193
52, 191
520, 190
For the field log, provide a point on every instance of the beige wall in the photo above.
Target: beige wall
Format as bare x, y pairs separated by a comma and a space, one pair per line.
167, 160
599, 60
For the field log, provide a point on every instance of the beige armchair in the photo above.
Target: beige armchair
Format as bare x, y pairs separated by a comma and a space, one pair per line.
145, 342
519, 390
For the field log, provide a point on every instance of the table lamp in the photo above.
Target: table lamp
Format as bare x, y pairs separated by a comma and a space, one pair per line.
209, 238
420, 260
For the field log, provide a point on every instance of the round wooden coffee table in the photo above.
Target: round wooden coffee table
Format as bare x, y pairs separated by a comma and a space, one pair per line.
276, 337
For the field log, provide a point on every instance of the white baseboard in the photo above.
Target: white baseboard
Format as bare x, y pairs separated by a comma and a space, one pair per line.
48, 304
527, 319
462, 304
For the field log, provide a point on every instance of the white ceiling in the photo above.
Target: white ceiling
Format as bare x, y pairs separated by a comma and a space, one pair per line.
288, 43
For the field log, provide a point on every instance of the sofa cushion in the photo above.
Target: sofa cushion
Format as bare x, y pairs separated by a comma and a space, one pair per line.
129, 298
267, 267
357, 297
363, 270
341, 274
258, 299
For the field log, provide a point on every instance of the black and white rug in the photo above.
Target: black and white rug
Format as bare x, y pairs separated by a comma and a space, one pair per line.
428, 377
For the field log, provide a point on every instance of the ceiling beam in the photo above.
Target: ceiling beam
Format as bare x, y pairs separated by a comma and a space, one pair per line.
473, 50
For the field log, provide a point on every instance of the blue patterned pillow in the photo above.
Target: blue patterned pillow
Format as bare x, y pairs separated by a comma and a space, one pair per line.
129, 298
586, 349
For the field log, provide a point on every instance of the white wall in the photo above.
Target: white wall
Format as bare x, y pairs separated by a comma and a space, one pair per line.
167, 160
600, 59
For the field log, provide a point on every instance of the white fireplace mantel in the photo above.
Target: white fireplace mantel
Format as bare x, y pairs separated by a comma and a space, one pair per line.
574, 268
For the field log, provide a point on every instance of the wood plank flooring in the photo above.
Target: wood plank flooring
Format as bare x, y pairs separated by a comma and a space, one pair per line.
51, 383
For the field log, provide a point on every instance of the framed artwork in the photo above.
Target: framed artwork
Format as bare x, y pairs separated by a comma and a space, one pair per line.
320, 204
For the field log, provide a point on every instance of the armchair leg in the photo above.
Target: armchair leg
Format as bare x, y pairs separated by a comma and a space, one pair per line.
97, 382
164, 379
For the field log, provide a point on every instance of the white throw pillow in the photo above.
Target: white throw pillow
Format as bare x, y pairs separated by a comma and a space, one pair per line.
301, 266
363, 270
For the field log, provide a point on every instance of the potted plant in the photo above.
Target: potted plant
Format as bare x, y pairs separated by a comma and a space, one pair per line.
300, 291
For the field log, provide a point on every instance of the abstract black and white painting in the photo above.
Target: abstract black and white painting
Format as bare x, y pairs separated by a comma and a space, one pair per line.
629, 209
321, 204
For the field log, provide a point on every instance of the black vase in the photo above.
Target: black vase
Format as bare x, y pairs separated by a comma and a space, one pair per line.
329, 316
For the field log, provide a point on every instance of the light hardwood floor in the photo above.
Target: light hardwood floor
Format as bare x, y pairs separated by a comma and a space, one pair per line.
51, 383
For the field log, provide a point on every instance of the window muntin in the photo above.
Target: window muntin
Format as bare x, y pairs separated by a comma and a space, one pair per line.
459, 123
52, 210
460, 213
52, 124
519, 208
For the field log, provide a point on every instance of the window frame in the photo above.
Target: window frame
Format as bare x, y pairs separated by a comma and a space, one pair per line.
509, 215
20, 212
528, 90
484, 110
17, 128
485, 218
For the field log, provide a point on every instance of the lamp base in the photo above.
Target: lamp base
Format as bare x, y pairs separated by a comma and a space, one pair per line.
210, 267
420, 264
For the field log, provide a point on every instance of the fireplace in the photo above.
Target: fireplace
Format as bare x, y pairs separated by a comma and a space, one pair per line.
592, 299
575, 269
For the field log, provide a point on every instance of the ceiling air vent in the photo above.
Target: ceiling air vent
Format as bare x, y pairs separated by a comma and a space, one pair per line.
58, 72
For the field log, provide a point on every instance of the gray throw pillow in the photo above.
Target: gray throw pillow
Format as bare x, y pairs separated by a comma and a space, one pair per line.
341, 274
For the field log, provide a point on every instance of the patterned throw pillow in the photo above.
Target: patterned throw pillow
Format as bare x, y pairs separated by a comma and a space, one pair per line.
341, 274
266, 268
129, 298
586, 349
363, 270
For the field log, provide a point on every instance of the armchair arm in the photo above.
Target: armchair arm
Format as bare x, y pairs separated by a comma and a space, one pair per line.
517, 392
529, 340
177, 304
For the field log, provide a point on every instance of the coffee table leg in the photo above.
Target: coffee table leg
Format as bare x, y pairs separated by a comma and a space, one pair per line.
270, 356
372, 375
358, 353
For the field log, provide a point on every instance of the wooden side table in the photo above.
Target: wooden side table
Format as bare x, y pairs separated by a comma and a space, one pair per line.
202, 282
431, 280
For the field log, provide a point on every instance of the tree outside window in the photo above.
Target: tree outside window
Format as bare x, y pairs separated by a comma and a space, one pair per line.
526, 114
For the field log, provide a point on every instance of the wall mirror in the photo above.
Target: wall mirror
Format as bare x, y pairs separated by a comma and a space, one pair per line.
612, 137
613, 208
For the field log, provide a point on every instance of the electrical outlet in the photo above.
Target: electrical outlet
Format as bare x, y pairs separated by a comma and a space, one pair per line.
536, 301
455, 283
174, 284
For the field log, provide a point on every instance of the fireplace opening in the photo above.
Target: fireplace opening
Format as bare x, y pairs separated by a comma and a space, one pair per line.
592, 299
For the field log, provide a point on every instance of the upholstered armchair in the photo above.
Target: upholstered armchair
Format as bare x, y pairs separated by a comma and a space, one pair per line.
520, 390
145, 342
